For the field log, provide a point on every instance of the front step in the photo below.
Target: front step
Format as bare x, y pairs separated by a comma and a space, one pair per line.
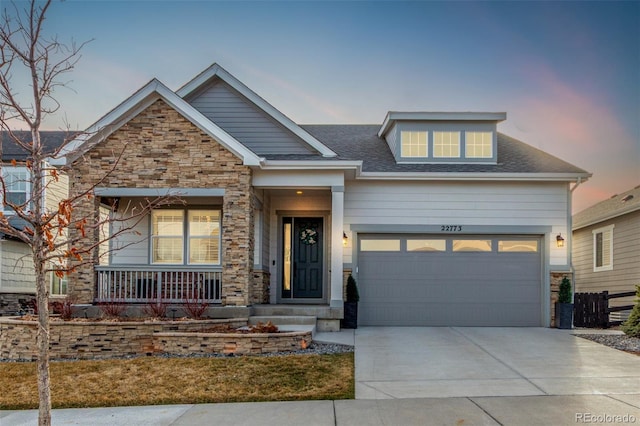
287, 323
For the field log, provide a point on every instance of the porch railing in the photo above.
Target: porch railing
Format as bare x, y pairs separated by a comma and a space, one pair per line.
144, 284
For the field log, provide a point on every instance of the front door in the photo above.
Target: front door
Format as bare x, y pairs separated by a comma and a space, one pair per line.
302, 258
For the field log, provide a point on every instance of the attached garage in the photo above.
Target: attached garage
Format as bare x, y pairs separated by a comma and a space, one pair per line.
450, 280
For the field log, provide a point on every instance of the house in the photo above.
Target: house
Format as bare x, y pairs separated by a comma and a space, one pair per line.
441, 219
17, 274
606, 247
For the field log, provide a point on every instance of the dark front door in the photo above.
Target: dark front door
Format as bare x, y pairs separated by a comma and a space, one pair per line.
302, 258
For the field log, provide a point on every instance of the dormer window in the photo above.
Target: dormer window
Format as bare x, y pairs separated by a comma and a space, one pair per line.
479, 144
442, 137
446, 144
414, 144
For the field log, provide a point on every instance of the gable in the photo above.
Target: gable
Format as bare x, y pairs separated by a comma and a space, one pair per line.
247, 123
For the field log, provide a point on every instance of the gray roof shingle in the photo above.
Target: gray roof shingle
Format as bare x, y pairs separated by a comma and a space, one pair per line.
619, 204
51, 140
361, 142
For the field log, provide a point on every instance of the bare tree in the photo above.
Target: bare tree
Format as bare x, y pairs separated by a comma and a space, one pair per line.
27, 51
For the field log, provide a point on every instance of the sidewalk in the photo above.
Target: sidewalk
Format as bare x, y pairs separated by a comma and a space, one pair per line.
520, 411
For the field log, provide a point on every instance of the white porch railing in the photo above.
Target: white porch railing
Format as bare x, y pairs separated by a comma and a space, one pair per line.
144, 284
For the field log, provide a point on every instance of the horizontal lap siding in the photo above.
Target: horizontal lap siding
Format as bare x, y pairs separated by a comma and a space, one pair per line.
18, 273
626, 259
247, 123
438, 203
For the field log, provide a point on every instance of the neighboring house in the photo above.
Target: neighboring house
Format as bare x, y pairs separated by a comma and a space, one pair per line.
17, 274
606, 246
441, 219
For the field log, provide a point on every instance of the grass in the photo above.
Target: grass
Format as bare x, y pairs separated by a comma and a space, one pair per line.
152, 381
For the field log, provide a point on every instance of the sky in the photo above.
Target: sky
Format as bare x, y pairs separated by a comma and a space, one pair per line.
566, 73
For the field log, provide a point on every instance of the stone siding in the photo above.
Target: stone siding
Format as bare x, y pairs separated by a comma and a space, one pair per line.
14, 303
162, 149
260, 286
555, 280
93, 340
231, 343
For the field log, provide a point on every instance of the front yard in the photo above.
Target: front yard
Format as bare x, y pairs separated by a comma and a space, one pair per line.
157, 380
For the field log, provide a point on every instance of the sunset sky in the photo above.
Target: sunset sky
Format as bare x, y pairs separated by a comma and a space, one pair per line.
566, 73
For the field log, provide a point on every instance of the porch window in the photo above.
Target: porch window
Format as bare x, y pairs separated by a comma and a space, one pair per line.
180, 234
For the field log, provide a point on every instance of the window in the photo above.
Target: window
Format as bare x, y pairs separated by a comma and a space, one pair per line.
446, 144
17, 186
518, 246
603, 249
471, 245
413, 144
198, 236
58, 285
479, 144
426, 245
380, 245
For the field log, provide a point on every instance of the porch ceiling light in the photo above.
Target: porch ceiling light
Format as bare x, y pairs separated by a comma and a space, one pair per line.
559, 240
298, 192
344, 238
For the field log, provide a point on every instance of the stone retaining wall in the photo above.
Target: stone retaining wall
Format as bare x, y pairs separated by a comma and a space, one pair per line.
231, 343
94, 340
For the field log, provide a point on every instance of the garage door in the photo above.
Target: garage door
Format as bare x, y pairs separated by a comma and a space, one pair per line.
408, 280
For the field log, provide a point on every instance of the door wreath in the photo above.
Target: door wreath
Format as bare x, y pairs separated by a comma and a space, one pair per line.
309, 236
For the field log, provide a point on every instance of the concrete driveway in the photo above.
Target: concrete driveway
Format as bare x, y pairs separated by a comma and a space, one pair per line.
439, 362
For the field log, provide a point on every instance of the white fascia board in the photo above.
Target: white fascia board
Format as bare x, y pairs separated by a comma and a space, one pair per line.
393, 116
532, 177
216, 70
310, 165
142, 99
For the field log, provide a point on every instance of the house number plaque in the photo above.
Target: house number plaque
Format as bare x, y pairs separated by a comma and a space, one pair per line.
451, 228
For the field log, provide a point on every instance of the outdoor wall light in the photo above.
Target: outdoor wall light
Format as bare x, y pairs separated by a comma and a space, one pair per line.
344, 238
559, 240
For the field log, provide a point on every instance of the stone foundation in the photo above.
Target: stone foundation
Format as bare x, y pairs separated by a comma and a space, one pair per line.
14, 303
230, 343
94, 339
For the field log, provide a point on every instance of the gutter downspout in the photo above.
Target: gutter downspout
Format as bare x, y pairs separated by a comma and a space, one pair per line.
570, 236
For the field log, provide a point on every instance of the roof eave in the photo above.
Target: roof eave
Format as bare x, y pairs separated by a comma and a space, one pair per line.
606, 217
140, 100
478, 176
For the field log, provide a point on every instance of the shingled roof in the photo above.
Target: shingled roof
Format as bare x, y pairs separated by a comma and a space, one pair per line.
361, 142
51, 140
618, 205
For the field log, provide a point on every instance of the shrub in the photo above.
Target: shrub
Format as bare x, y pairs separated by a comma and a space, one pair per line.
195, 307
112, 309
631, 326
63, 307
564, 295
156, 309
352, 290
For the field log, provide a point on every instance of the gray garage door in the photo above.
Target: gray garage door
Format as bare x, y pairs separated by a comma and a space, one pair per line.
408, 280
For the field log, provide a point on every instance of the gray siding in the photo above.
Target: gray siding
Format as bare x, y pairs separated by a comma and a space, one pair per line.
625, 274
247, 123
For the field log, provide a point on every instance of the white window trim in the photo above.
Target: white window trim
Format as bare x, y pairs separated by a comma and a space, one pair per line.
426, 136
9, 169
595, 232
449, 133
186, 238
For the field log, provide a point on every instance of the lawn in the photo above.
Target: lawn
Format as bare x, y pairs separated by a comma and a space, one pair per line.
152, 380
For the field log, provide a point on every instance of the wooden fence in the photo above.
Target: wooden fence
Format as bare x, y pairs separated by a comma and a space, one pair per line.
591, 310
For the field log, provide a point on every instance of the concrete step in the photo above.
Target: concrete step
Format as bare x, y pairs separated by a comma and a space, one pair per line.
318, 311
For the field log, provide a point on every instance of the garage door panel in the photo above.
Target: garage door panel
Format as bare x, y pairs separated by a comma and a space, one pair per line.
450, 288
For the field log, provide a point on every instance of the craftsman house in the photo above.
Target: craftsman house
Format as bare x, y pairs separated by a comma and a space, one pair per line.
606, 247
17, 274
441, 219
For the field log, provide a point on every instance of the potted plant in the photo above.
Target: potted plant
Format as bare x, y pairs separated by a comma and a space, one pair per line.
564, 307
351, 304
